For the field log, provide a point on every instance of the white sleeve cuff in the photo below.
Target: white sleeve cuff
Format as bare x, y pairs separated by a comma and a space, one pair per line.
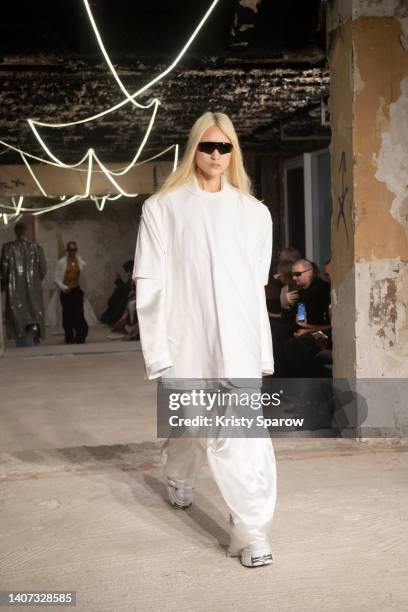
268, 368
158, 368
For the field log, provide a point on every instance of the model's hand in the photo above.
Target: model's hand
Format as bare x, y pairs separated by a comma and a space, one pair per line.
67, 290
292, 297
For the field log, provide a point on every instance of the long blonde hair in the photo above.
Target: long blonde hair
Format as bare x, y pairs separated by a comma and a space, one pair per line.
235, 173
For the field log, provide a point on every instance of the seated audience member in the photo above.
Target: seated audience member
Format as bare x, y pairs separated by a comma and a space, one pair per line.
275, 285
290, 353
128, 324
311, 355
118, 300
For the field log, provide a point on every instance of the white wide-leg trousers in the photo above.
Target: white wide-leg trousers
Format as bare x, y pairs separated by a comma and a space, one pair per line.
245, 472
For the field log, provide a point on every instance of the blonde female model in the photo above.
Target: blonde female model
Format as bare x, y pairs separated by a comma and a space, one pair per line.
202, 260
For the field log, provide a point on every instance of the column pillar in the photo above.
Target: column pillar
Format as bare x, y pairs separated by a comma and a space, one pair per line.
368, 56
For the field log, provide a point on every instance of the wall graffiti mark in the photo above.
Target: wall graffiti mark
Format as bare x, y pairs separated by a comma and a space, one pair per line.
14, 184
17, 183
343, 195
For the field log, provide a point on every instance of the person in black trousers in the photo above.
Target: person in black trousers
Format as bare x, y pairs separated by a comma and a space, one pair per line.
72, 297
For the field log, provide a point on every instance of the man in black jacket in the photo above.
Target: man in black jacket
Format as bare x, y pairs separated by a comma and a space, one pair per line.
293, 344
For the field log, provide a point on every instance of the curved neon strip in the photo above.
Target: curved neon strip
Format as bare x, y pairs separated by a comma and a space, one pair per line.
91, 155
108, 61
103, 168
33, 176
50, 163
156, 79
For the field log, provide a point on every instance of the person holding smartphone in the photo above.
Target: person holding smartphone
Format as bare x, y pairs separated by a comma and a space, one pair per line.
308, 297
314, 293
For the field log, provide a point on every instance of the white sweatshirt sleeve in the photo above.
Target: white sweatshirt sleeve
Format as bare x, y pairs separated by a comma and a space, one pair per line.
265, 250
149, 272
264, 264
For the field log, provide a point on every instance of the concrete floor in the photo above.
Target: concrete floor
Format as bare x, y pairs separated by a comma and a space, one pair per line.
83, 505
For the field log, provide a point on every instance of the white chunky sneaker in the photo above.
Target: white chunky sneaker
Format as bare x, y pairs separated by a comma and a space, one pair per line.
256, 555
179, 498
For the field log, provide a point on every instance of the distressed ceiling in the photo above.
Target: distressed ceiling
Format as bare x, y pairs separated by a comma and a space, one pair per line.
261, 61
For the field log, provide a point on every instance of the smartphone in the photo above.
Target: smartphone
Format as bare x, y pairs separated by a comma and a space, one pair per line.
292, 287
301, 312
320, 334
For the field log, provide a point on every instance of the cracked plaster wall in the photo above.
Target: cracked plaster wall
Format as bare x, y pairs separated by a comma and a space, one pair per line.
369, 104
342, 11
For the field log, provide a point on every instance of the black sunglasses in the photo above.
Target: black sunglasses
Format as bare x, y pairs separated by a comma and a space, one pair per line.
71, 250
209, 147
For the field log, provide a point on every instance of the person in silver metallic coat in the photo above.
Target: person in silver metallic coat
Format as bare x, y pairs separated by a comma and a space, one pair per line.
22, 269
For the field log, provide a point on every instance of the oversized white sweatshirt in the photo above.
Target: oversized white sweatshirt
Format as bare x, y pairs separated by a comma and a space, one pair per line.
202, 260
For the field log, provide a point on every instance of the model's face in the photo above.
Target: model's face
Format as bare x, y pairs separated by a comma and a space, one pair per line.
212, 165
302, 273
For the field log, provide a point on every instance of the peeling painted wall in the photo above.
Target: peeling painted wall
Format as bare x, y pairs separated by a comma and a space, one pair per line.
392, 159
382, 319
381, 198
369, 109
342, 11
380, 139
